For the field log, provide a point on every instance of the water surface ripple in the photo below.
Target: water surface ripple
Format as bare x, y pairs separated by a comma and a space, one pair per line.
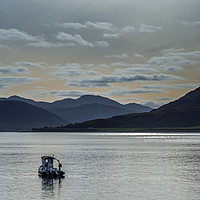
109, 166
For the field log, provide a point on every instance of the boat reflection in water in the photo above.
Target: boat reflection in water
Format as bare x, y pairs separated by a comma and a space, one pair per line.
51, 187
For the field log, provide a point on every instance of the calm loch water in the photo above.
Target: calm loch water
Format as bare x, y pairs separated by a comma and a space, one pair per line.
101, 166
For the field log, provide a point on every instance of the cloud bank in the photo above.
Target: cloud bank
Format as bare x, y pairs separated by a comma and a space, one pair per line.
13, 70
105, 81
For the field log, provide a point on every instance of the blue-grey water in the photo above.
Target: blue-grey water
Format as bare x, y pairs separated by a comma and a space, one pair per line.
101, 166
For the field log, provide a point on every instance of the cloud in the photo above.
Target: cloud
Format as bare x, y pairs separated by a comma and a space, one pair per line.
121, 64
13, 70
102, 26
174, 59
149, 28
179, 53
114, 35
46, 44
146, 68
102, 43
166, 62
71, 25
14, 34
88, 25
7, 81
41, 93
171, 87
191, 23
138, 68
122, 56
3, 87
103, 66
106, 80
171, 68
67, 72
138, 55
64, 93
33, 41
79, 40
29, 64
164, 99
151, 104
134, 91
73, 69
128, 29
73, 38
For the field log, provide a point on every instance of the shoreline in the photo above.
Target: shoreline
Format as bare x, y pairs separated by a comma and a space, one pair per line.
126, 130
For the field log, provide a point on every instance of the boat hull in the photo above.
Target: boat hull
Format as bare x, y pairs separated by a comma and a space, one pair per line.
52, 175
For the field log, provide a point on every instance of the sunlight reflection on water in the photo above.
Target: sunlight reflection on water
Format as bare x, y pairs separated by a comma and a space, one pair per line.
102, 165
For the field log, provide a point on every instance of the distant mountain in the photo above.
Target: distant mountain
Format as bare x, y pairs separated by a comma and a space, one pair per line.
44, 105
191, 99
86, 107
17, 115
90, 107
17, 98
96, 99
136, 108
184, 112
90, 111
85, 99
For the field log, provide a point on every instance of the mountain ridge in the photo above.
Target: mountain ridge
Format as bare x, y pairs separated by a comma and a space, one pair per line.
183, 112
63, 107
186, 99
90, 111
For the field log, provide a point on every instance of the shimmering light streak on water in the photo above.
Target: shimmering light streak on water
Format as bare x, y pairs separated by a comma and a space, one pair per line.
102, 166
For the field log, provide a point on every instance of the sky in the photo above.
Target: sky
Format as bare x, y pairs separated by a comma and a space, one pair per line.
142, 51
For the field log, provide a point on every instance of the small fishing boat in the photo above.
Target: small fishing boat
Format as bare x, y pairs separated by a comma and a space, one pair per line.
47, 170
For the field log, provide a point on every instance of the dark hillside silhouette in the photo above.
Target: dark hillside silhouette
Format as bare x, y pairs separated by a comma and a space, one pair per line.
184, 112
85, 108
17, 115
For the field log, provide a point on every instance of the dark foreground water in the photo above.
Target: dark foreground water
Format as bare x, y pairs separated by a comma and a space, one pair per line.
101, 166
